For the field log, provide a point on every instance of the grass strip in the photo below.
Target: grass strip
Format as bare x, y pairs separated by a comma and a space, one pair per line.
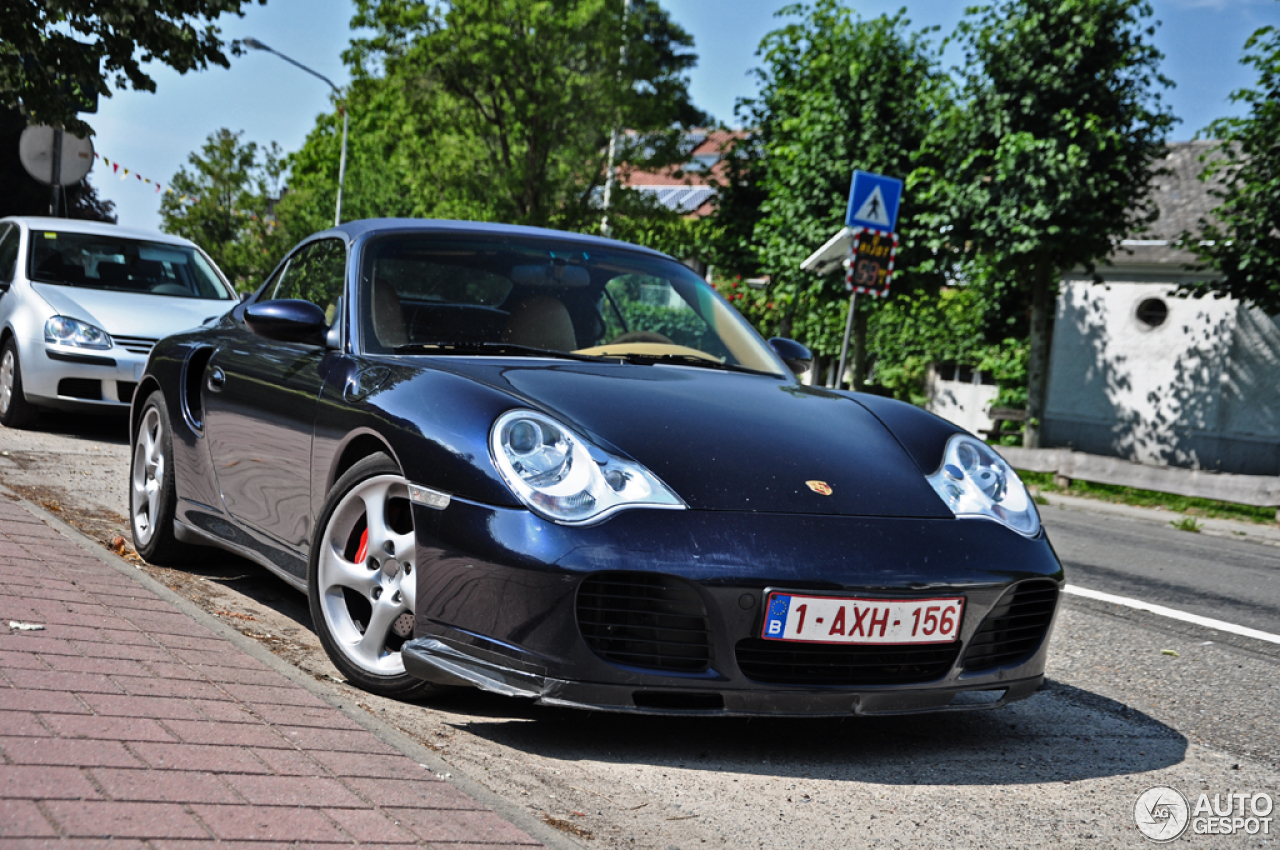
1043, 481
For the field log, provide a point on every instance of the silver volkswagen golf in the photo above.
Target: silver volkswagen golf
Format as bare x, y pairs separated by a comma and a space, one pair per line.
81, 305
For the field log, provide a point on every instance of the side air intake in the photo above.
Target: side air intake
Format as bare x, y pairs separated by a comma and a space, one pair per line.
1015, 627
645, 620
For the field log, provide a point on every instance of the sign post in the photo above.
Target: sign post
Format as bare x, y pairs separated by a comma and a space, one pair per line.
867, 271
867, 246
872, 214
55, 157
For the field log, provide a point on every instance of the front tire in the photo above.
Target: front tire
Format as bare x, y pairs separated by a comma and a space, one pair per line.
15, 410
152, 496
362, 578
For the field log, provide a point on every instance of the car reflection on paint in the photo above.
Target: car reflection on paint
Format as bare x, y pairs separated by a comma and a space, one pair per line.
563, 468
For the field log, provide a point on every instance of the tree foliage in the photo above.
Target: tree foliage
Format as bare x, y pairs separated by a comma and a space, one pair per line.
913, 331
53, 52
838, 93
223, 204
1047, 155
500, 110
1242, 240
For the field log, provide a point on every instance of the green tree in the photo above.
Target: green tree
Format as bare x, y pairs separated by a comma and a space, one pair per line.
499, 110
1048, 154
53, 53
223, 204
1242, 241
915, 330
838, 93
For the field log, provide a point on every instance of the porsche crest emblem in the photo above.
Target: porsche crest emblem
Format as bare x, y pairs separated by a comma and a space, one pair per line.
822, 488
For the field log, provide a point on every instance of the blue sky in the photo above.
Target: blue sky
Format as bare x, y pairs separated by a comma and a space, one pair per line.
270, 100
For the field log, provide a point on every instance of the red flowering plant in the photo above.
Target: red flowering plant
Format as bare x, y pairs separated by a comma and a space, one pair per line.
752, 298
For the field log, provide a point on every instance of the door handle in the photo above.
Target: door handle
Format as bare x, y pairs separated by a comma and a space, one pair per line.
217, 379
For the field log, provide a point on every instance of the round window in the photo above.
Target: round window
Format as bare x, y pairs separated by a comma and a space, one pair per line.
1152, 312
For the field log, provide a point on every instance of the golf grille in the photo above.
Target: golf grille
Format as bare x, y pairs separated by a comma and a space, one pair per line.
645, 620
135, 344
778, 663
1014, 629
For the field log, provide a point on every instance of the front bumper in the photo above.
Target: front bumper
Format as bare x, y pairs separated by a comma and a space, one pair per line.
498, 605
63, 377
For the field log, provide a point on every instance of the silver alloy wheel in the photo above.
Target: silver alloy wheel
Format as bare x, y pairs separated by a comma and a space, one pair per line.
8, 368
147, 481
385, 579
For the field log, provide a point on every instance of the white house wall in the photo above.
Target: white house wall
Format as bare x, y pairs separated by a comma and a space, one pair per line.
1200, 390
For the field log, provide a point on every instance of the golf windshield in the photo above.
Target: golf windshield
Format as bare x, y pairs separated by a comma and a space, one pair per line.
94, 261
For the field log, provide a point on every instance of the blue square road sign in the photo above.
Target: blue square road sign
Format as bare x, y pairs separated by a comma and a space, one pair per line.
873, 201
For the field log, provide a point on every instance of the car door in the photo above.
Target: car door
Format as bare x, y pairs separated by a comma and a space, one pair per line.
260, 399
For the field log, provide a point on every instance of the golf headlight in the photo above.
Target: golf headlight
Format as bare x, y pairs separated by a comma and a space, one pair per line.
564, 478
974, 481
63, 330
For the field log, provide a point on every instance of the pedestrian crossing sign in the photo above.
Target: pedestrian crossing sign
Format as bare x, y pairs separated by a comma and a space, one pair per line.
873, 201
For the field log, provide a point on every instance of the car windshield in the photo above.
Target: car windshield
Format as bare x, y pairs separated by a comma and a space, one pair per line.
430, 294
94, 261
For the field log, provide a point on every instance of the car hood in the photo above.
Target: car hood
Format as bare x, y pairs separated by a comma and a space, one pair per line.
130, 313
727, 441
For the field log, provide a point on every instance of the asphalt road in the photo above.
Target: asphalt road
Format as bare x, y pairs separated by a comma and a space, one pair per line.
1133, 700
1237, 581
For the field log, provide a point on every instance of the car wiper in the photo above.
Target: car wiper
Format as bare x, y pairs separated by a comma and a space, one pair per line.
689, 360
494, 348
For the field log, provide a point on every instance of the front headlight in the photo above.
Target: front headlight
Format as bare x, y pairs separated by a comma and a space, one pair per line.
974, 481
64, 330
564, 478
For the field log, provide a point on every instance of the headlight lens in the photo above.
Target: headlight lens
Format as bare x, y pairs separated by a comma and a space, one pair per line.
64, 330
974, 481
562, 477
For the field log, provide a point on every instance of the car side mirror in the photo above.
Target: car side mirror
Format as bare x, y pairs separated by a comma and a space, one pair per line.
287, 320
796, 356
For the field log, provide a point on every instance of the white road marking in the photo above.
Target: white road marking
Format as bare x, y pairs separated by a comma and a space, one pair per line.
1160, 610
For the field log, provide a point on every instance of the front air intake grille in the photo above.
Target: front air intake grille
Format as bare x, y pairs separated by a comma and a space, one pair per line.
85, 388
775, 662
134, 344
645, 620
1014, 629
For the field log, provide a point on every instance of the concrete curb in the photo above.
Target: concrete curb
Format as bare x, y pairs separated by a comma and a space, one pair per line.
389, 735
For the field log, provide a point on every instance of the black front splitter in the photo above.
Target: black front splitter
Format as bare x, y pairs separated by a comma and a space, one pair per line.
435, 661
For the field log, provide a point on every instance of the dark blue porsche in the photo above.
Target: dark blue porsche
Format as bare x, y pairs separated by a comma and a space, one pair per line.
563, 468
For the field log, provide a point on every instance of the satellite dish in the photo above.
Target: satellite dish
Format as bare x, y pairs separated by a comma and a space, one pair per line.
55, 157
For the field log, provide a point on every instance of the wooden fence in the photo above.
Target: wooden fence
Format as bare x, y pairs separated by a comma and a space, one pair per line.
1257, 490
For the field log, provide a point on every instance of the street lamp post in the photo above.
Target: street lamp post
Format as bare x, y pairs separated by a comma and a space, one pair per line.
254, 44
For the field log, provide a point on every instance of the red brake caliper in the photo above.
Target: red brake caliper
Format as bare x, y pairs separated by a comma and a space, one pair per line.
363, 552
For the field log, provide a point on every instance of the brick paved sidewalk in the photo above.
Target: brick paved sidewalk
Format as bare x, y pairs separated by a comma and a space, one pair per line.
125, 718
